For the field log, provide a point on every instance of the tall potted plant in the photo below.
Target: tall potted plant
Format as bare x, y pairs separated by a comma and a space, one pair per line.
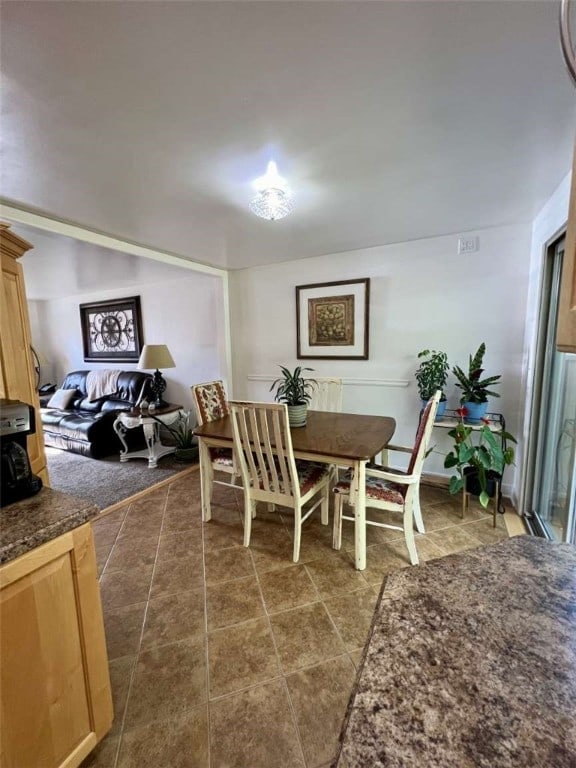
475, 389
431, 376
481, 458
296, 391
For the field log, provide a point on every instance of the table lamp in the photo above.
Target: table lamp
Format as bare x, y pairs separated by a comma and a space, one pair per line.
156, 356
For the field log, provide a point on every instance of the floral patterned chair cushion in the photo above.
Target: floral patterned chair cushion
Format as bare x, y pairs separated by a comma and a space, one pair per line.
309, 474
376, 488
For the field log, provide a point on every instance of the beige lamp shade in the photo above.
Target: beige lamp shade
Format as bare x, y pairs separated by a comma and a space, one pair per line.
155, 356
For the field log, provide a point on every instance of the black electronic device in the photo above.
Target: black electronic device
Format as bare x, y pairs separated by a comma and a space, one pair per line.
47, 389
17, 420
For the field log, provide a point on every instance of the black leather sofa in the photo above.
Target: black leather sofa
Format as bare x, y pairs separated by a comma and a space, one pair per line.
86, 426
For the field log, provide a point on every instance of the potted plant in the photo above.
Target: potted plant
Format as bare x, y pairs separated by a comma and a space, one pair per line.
431, 376
480, 458
475, 389
183, 435
294, 390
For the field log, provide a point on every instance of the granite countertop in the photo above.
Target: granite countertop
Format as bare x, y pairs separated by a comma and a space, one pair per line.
471, 661
28, 523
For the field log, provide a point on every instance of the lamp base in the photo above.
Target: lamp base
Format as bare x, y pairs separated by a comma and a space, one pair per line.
158, 387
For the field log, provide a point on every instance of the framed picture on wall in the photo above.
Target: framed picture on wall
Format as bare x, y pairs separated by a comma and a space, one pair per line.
332, 320
112, 330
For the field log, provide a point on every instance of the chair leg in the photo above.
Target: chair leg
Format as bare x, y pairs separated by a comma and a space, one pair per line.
418, 513
325, 506
337, 524
249, 513
297, 533
409, 536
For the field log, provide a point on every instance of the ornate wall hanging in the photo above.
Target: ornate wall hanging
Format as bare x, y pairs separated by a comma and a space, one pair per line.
332, 320
112, 330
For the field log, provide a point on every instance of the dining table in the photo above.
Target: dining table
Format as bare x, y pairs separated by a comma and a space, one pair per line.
347, 440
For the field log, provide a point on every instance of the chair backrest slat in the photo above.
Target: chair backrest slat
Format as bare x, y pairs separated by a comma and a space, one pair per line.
264, 446
423, 434
326, 394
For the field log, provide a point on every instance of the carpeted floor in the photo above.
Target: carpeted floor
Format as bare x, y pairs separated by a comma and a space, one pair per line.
106, 481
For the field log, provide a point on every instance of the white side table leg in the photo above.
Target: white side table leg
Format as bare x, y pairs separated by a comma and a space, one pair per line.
150, 433
121, 430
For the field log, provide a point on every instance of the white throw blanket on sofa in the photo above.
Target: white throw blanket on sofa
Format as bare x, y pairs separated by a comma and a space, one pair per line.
101, 383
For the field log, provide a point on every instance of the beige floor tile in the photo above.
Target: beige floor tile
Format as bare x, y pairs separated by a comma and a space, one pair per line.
484, 531
430, 494
173, 546
220, 534
254, 729
104, 754
141, 524
180, 500
131, 552
320, 696
228, 564
120, 675
426, 549
232, 602
305, 636
123, 628
287, 588
455, 539
274, 553
352, 614
180, 520
173, 576
241, 656
125, 587
336, 575
168, 681
178, 742
381, 560
356, 657
174, 617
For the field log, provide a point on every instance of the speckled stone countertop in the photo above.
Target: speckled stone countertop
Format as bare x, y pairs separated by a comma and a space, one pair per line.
471, 661
28, 523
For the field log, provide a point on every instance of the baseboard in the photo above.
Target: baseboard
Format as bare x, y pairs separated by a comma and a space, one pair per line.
140, 494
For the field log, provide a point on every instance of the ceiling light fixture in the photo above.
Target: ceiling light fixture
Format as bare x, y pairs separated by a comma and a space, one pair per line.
273, 200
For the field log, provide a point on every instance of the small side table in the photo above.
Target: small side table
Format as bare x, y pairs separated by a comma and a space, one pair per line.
150, 422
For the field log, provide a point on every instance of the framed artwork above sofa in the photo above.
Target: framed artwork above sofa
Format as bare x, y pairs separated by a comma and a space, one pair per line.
112, 330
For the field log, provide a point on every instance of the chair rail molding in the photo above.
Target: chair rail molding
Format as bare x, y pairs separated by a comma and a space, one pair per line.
345, 382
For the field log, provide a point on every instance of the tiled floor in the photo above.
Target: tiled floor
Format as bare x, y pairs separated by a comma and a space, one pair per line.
226, 657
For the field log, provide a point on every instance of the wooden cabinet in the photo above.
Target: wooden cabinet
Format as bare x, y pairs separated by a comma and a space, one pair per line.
17, 375
55, 685
566, 334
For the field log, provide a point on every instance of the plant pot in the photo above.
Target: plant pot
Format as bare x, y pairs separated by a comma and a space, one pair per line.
441, 408
473, 484
297, 415
475, 412
186, 455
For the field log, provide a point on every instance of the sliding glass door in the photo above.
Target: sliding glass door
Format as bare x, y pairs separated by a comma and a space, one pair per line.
554, 478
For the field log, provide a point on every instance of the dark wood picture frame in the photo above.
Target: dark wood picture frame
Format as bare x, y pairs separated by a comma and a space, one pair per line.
112, 330
332, 320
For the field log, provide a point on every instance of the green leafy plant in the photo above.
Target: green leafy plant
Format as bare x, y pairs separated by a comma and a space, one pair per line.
486, 454
292, 388
181, 431
432, 373
474, 388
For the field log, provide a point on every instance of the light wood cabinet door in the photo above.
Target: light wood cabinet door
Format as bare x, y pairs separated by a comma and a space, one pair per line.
17, 374
566, 334
55, 686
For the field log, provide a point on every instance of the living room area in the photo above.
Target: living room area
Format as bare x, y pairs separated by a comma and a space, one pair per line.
221, 178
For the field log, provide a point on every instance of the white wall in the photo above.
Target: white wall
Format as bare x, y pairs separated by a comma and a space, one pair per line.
186, 314
423, 295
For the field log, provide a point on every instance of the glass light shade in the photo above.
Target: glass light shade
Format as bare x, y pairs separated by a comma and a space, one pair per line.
272, 204
155, 356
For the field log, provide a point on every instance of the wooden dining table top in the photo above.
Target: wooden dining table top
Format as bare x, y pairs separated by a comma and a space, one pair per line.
348, 436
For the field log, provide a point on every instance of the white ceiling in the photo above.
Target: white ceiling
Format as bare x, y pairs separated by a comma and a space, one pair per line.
392, 121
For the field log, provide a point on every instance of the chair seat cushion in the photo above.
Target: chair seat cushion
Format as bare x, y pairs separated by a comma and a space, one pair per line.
309, 474
222, 457
376, 488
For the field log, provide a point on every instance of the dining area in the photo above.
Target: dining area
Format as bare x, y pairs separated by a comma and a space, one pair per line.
323, 463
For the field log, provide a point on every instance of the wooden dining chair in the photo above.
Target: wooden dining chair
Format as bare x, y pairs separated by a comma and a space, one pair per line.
393, 490
326, 395
211, 404
269, 471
